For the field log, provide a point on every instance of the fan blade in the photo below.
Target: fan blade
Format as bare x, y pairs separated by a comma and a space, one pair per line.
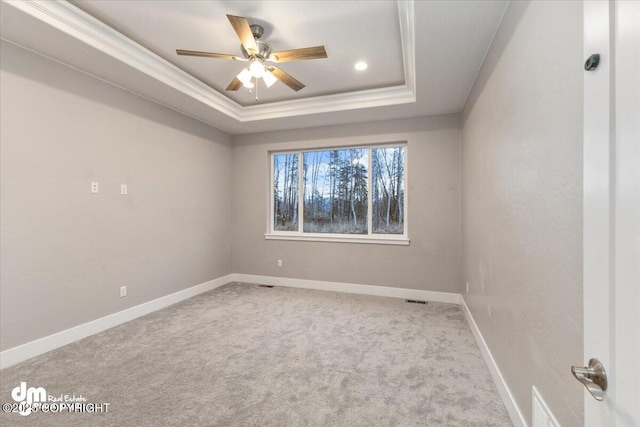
242, 29
209, 55
286, 78
315, 52
235, 84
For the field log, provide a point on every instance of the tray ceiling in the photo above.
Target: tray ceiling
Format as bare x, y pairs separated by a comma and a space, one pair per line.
350, 31
422, 56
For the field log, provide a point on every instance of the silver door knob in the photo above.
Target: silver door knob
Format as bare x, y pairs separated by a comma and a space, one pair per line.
593, 377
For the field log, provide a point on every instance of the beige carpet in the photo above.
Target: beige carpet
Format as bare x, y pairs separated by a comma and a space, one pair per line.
244, 355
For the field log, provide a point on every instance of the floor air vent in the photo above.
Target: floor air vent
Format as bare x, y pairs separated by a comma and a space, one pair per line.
415, 301
265, 286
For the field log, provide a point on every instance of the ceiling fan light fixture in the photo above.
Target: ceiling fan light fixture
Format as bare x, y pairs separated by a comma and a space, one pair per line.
256, 52
269, 78
245, 77
257, 69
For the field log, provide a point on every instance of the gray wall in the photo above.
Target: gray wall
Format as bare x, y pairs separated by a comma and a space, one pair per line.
431, 262
64, 251
522, 203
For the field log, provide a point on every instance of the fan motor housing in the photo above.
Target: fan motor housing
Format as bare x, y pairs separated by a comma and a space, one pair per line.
256, 30
264, 50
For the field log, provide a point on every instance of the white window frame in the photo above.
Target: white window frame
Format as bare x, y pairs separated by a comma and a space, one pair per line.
370, 237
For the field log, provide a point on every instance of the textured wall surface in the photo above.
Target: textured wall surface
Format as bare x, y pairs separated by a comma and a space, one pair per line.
65, 252
522, 203
197, 208
431, 262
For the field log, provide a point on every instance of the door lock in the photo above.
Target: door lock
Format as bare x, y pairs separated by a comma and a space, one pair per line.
593, 377
592, 62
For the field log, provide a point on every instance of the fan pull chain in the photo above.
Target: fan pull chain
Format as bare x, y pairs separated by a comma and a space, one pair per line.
256, 89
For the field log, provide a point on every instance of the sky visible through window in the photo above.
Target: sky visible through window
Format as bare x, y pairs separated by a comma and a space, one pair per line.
336, 191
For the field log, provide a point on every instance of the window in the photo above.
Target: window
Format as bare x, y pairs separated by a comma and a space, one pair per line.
340, 194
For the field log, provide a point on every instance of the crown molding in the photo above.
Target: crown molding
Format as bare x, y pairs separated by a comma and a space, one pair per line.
408, 40
78, 24
330, 103
74, 22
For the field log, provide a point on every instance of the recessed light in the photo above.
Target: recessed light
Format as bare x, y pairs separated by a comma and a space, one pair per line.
361, 66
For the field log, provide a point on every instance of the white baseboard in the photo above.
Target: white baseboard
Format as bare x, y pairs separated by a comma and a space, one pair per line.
40, 346
26, 351
541, 414
34, 348
507, 398
382, 291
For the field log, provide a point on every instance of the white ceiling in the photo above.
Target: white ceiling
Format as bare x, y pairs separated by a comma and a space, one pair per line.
202, 25
423, 56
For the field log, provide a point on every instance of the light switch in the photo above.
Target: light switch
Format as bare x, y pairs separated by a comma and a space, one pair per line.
123, 189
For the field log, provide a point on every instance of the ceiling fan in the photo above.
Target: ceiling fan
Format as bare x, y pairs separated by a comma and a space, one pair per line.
257, 53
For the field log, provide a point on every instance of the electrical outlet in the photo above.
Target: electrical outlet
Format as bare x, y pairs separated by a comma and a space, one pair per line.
95, 188
123, 291
279, 263
123, 189
467, 287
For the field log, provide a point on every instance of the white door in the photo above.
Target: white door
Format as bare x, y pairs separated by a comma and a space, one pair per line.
612, 209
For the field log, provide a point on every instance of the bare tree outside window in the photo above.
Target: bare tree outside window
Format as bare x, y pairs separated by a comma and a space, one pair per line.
344, 191
336, 191
388, 190
285, 192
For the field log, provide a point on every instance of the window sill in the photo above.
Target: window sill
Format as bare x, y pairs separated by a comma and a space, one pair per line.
401, 241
